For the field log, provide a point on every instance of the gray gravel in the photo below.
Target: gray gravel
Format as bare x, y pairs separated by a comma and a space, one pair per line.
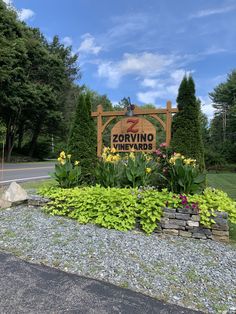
199, 274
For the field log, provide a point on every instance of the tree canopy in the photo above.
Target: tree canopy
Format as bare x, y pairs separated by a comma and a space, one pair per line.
35, 76
223, 125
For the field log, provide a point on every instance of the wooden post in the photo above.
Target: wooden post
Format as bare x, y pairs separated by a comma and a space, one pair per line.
99, 130
168, 122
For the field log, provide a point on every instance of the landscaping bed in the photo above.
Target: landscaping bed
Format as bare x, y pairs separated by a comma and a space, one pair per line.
198, 274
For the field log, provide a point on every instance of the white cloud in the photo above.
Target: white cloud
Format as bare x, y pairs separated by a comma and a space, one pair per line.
207, 107
162, 87
8, 2
88, 45
213, 50
163, 92
208, 12
148, 97
145, 65
221, 78
178, 75
67, 41
125, 25
25, 14
148, 82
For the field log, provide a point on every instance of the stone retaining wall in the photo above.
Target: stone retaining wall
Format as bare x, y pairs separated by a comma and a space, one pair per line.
183, 222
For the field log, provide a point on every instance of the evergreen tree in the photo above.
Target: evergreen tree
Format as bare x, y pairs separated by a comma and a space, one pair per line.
187, 138
223, 125
82, 141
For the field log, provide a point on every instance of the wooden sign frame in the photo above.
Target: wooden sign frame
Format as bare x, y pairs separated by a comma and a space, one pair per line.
111, 115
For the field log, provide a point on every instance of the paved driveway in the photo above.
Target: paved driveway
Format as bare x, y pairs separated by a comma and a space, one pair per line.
29, 288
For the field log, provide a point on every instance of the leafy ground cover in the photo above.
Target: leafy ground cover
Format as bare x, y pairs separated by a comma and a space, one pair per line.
122, 208
227, 183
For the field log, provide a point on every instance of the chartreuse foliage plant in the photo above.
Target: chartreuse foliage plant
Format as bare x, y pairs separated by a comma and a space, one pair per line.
214, 200
150, 208
107, 207
67, 173
123, 208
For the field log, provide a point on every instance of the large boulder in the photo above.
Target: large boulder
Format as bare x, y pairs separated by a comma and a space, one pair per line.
15, 194
4, 204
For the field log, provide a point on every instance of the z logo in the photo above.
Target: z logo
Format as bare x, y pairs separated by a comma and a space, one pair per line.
133, 123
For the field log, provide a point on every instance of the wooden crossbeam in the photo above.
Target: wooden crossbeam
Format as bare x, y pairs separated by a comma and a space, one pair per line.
99, 114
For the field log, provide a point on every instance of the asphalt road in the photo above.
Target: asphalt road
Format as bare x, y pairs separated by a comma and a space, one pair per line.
29, 288
20, 172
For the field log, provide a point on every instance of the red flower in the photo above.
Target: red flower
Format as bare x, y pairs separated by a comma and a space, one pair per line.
163, 145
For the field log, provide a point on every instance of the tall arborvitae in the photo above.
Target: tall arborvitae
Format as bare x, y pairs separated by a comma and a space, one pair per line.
186, 127
82, 141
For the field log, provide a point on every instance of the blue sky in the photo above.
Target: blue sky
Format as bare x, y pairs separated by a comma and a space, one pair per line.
141, 48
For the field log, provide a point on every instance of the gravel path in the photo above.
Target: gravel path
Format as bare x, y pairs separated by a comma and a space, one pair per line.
199, 274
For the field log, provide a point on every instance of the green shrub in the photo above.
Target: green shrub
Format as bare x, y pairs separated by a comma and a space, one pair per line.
107, 207
42, 148
121, 209
66, 173
214, 159
150, 208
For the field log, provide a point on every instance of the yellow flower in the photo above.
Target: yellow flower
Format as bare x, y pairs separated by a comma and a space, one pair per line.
69, 156
104, 156
172, 160
189, 161
76, 163
61, 160
62, 154
131, 155
116, 157
148, 157
109, 158
148, 170
178, 155
106, 150
113, 150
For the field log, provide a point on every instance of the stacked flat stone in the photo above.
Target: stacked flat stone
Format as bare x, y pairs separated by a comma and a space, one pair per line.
185, 222
37, 200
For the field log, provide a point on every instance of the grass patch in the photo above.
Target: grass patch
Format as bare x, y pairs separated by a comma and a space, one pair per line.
223, 181
38, 184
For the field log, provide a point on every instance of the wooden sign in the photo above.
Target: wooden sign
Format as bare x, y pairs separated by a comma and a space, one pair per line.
133, 134
105, 117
